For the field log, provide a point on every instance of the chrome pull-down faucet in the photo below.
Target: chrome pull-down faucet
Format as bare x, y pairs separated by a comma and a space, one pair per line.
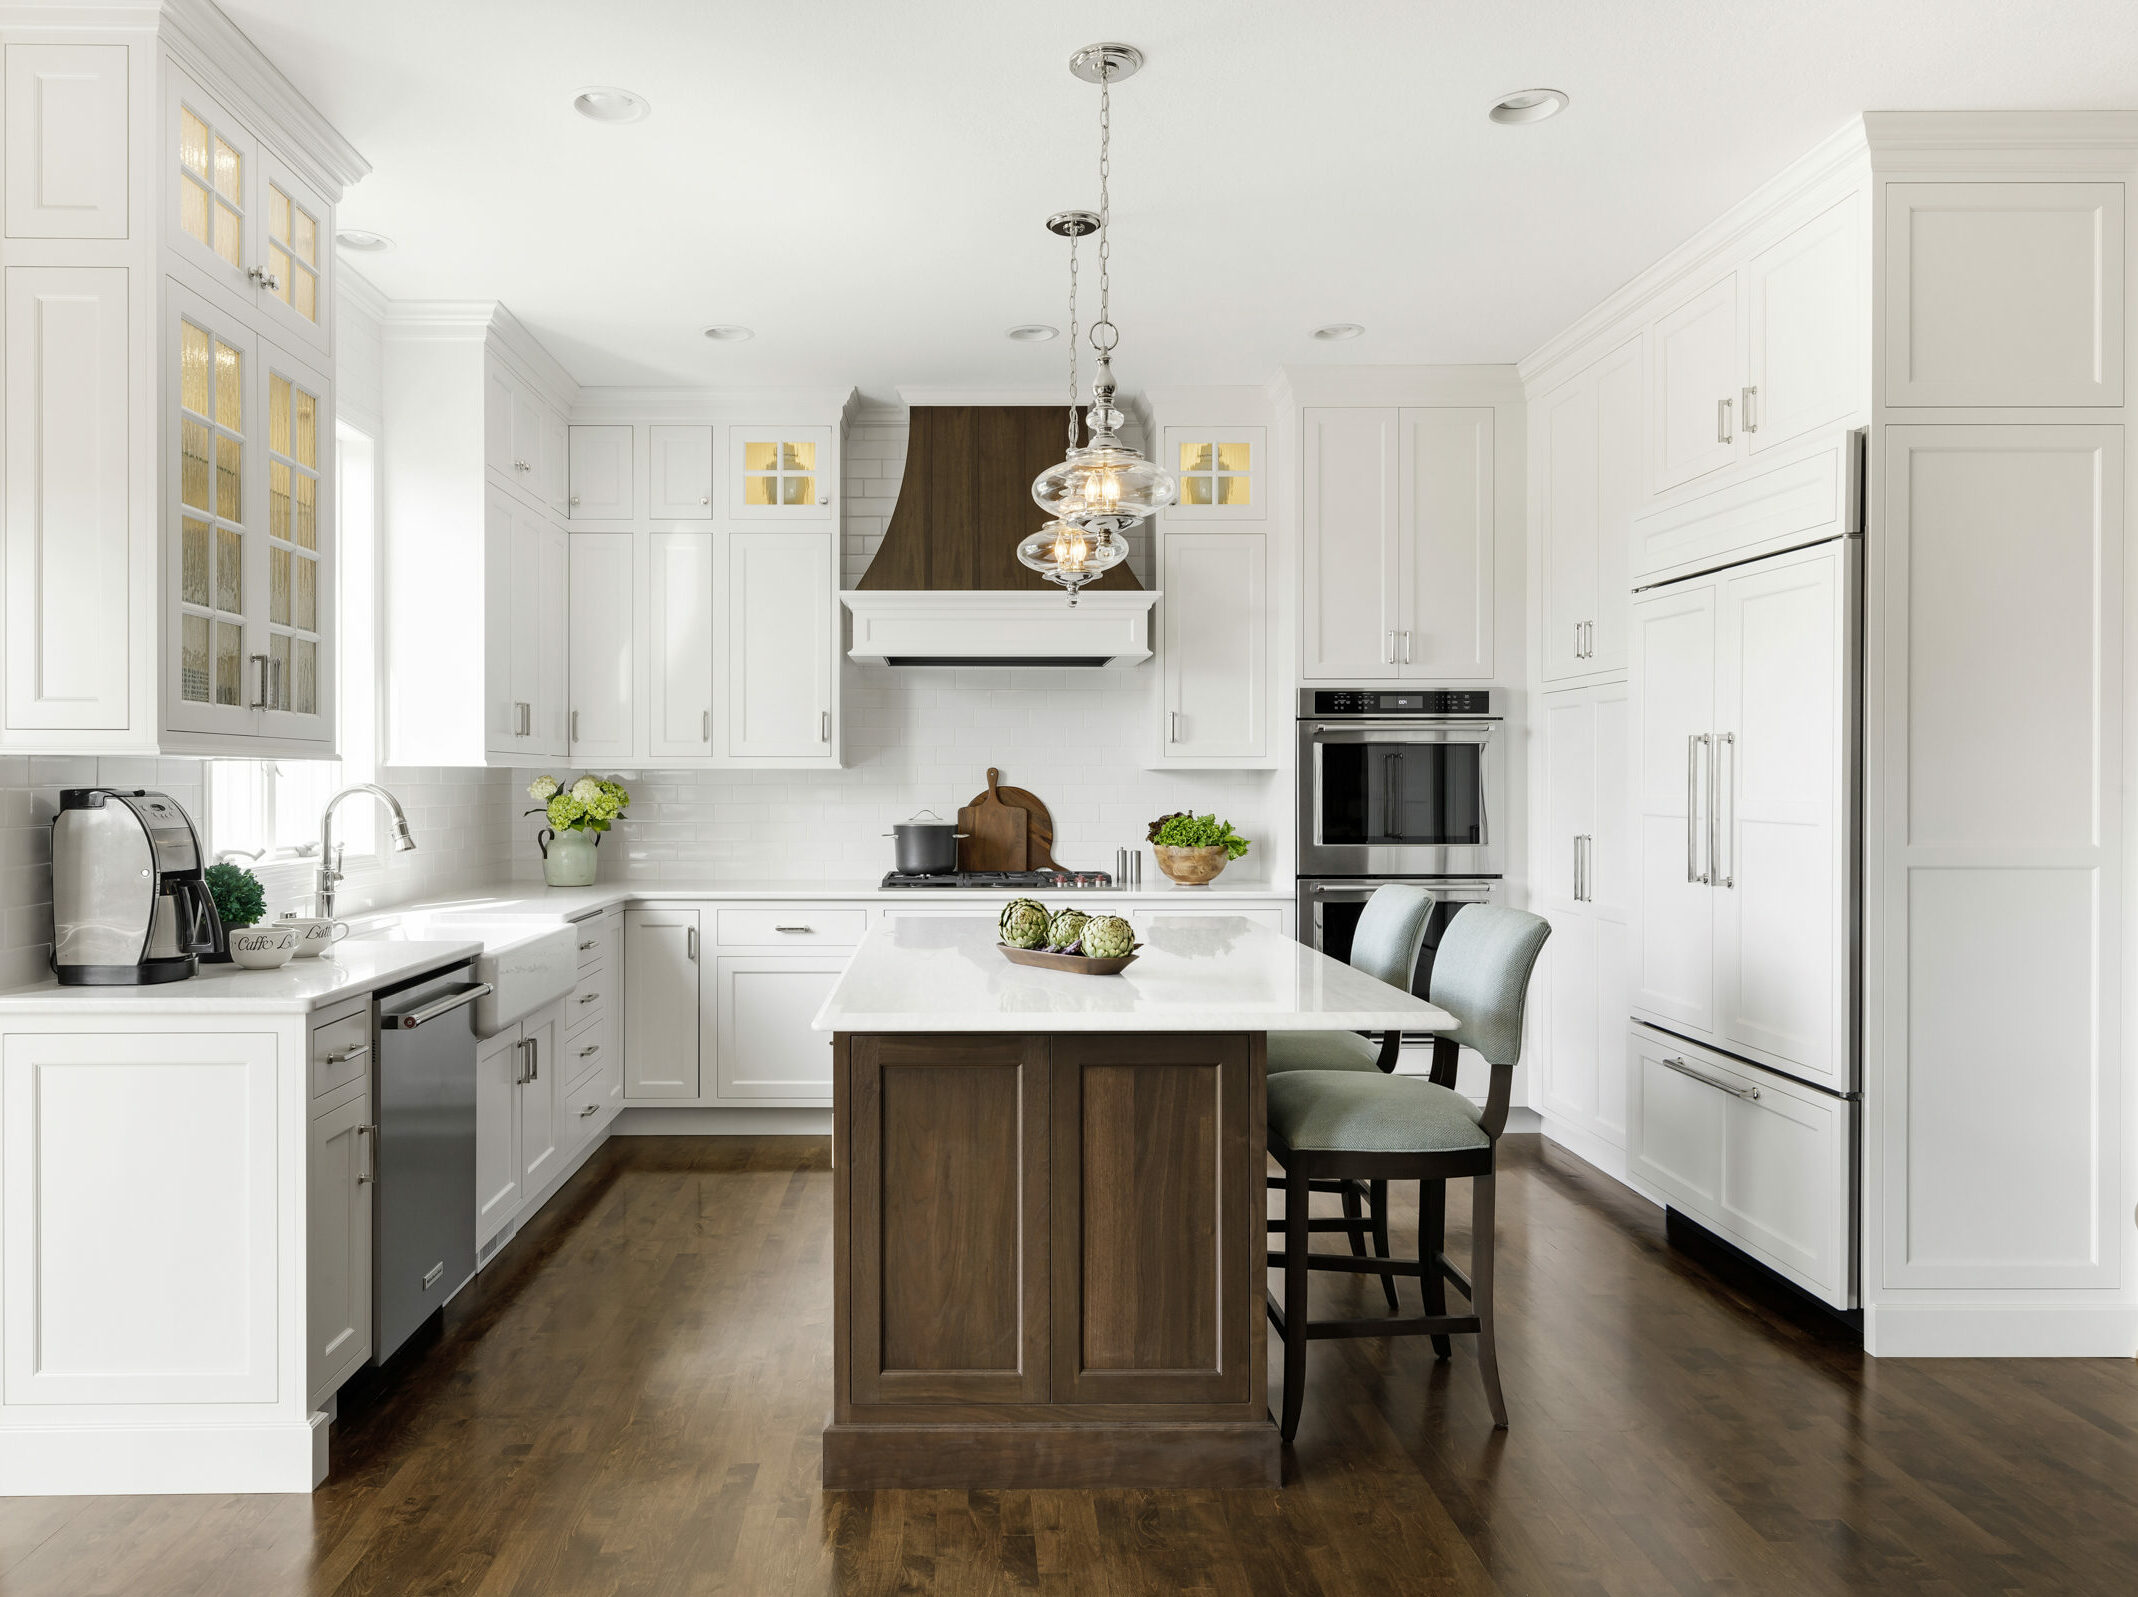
330, 855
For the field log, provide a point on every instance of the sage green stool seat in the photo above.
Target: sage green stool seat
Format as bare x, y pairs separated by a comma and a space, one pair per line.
1351, 1132
1341, 1111
1391, 931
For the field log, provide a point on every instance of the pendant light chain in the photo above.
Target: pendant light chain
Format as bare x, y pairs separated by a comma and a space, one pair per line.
1074, 440
1106, 128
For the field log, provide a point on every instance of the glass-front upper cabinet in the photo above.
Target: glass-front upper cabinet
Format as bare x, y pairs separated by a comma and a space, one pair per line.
211, 182
295, 288
298, 579
1219, 471
780, 473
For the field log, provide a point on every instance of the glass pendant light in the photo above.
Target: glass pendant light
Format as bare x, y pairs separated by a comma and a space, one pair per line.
1104, 487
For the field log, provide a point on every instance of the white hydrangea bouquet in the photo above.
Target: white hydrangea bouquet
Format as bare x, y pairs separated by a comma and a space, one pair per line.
577, 815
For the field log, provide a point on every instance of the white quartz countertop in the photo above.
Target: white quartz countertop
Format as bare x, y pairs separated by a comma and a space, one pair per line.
532, 898
1193, 973
352, 969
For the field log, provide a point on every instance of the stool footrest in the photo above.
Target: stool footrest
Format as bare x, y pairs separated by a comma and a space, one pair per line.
1352, 1263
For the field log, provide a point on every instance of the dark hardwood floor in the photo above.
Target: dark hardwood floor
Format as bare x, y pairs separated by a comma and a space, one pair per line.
629, 1402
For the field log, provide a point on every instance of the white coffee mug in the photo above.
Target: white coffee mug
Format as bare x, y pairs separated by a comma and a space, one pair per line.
315, 933
262, 947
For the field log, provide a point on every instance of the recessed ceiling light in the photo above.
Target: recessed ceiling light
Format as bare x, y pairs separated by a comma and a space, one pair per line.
1033, 333
611, 105
1337, 332
1528, 105
364, 243
727, 333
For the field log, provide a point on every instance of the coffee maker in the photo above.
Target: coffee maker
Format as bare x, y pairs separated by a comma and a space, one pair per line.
130, 901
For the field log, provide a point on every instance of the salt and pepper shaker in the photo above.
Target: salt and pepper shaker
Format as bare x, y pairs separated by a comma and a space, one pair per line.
1120, 867
1135, 867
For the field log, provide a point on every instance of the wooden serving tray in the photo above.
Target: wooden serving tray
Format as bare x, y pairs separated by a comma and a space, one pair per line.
1076, 963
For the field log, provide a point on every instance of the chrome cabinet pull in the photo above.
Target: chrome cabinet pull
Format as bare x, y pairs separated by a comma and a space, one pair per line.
1723, 434
690, 942
1406, 645
591, 942
1172, 726
705, 726
1588, 640
1388, 648
1744, 410
589, 998
265, 279
575, 726
802, 928
1577, 640
526, 1074
346, 1055
534, 1059
370, 1172
1693, 744
1718, 831
1683, 1069
591, 1108
590, 1051
259, 699
824, 726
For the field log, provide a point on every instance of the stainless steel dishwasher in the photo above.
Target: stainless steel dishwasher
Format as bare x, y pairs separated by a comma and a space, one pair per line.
423, 1248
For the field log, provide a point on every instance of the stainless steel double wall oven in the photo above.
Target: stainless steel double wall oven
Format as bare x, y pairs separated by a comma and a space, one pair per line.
1396, 786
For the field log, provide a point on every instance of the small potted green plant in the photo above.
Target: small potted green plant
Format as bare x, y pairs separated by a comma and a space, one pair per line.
239, 898
577, 816
1192, 849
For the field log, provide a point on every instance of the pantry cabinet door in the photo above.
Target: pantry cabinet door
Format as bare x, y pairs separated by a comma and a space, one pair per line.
1673, 750
660, 1004
767, 1049
1806, 329
1352, 598
1621, 494
1694, 353
1567, 509
601, 657
1445, 608
1214, 657
679, 599
777, 646
680, 473
601, 473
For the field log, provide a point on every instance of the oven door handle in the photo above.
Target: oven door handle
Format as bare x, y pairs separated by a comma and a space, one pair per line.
1400, 732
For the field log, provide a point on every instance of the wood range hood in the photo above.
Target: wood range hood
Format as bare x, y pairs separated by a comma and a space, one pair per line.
946, 587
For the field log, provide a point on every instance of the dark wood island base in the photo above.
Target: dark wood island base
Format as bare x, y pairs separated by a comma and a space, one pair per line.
1048, 1256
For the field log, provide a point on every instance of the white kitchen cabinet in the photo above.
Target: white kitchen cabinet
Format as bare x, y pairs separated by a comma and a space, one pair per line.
540, 1082
661, 1005
340, 1166
249, 508
1581, 887
679, 599
212, 191
527, 640
1759, 1159
498, 1192
601, 473
679, 472
1672, 739
1694, 350
1806, 329
520, 434
1213, 653
778, 472
767, 1051
1398, 544
778, 604
65, 153
601, 600
1590, 484
296, 290
555, 484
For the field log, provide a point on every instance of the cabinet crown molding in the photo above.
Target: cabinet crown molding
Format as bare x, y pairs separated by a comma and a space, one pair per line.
217, 51
448, 321
1997, 142
770, 406
1610, 319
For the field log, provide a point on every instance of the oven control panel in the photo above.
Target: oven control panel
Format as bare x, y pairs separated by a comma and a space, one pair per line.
1372, 701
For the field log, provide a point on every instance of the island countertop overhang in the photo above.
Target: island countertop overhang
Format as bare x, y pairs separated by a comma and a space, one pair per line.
1202, 973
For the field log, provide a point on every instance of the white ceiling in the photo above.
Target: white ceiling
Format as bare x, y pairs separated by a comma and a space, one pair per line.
863, 181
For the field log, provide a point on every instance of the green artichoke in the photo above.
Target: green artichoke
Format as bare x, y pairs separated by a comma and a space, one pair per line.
1108, 937
1024, 925
1012, 907
1064, 929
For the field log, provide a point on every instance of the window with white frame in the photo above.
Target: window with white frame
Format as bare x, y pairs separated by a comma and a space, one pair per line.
266, 812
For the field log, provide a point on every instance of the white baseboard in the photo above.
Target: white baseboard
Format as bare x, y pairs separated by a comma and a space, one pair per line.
2000, 1330
722, 1123
127, 1460
1607, 1157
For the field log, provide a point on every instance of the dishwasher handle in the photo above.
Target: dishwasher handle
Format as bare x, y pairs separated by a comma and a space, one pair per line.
413, 1018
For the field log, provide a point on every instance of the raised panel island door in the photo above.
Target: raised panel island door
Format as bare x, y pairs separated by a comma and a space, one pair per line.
601, 665
1781, 882
1215, 654
1695, 354
768, 1050
950, 1248
1445, 613
1566, 422
778, 609
1352, 580
660, 1004
680, 674
1673, 743
1158, 1277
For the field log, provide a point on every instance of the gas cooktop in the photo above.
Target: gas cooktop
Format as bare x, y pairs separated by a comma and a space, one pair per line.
1053, 880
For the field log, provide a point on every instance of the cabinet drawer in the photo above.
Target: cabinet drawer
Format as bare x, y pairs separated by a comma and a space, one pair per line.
341, 1051
589, 1106
805, 926
589, 1000
1759, 1159
587, 1051
597, 940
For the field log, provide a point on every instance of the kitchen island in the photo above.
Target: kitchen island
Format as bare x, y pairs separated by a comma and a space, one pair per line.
1049, 1203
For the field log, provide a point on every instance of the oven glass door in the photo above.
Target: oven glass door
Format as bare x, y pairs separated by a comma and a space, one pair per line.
1399, 800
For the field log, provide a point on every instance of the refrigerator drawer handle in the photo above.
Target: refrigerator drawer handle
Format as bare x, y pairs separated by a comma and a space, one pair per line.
1750, 1094
442, 1006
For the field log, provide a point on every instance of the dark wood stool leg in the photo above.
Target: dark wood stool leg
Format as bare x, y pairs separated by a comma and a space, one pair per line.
1488, 1358
1432, 1244
1377, 1205
1296, 1276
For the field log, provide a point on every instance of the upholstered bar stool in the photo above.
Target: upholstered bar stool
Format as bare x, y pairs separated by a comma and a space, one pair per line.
1391, 931
1349, 1126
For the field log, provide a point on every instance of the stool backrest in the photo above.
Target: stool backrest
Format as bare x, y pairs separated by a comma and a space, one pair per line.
1481, 976
1390, 932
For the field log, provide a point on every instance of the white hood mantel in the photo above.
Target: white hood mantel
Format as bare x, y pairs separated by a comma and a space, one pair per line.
1000, 627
